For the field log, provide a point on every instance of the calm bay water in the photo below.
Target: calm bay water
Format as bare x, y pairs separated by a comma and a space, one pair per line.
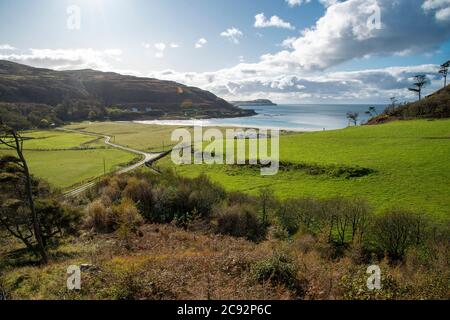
299, 117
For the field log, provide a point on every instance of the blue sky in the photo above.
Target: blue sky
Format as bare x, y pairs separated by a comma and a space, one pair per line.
337, 60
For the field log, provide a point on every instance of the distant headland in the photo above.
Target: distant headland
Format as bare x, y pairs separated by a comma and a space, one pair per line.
258, 102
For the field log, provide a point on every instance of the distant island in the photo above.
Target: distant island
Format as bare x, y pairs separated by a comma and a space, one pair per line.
258, 102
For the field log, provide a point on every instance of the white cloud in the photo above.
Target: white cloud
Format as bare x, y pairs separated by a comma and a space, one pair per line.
160, 47
200, 43
441, 9
233, 34
329, 3
243, 82
344, 33
288, 42
262, 22
325, 3
67, 59
293, 3
6, 47
300, 72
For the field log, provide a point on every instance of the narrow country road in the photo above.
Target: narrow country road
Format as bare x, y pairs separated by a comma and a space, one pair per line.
147, 157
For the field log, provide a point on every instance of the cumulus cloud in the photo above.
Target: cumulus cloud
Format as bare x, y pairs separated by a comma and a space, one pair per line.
6, 47
440, 8
325, 3
346, 32
300, 72
262, 22
67, 59
233, 34
242, 81
293, 3
200, 43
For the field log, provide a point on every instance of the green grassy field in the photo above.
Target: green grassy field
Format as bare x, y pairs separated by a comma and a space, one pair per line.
151, 138
411, 160
51, 155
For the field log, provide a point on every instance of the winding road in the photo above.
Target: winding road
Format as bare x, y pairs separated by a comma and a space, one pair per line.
146, 158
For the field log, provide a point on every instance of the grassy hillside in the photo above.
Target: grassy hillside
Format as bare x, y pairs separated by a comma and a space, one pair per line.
39, 97
410, 159
436, 105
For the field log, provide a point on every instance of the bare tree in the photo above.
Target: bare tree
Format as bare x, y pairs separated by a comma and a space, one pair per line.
266, 200
353, 117
372, 112
13, 140
420, 81
444, 71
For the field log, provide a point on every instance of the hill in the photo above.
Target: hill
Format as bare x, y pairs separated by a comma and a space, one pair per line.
436, 105
52, 96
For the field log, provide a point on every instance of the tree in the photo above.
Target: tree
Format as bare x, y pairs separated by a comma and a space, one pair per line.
353, 117
13, 140
420, 81
372, 112
444, 71
266, 200
398, 230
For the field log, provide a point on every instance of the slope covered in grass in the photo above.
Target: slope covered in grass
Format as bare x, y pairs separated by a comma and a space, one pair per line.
410, 160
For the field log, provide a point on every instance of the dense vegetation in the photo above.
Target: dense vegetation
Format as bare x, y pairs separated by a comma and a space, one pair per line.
32, 97
162, 236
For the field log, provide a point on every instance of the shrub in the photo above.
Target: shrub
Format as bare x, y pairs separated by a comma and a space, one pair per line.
240, 198
56, 219
139, 190
204, 195
99, 218
396, 231
279, 270
240, 221
127, 219
305, 214
163, 204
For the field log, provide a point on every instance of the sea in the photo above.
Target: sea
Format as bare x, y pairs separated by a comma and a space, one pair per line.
292, 117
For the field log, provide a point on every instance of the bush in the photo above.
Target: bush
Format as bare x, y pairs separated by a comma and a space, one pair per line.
99, 218
140, 191
127, 218
56, 219
280, 270
396, 231
240, 221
